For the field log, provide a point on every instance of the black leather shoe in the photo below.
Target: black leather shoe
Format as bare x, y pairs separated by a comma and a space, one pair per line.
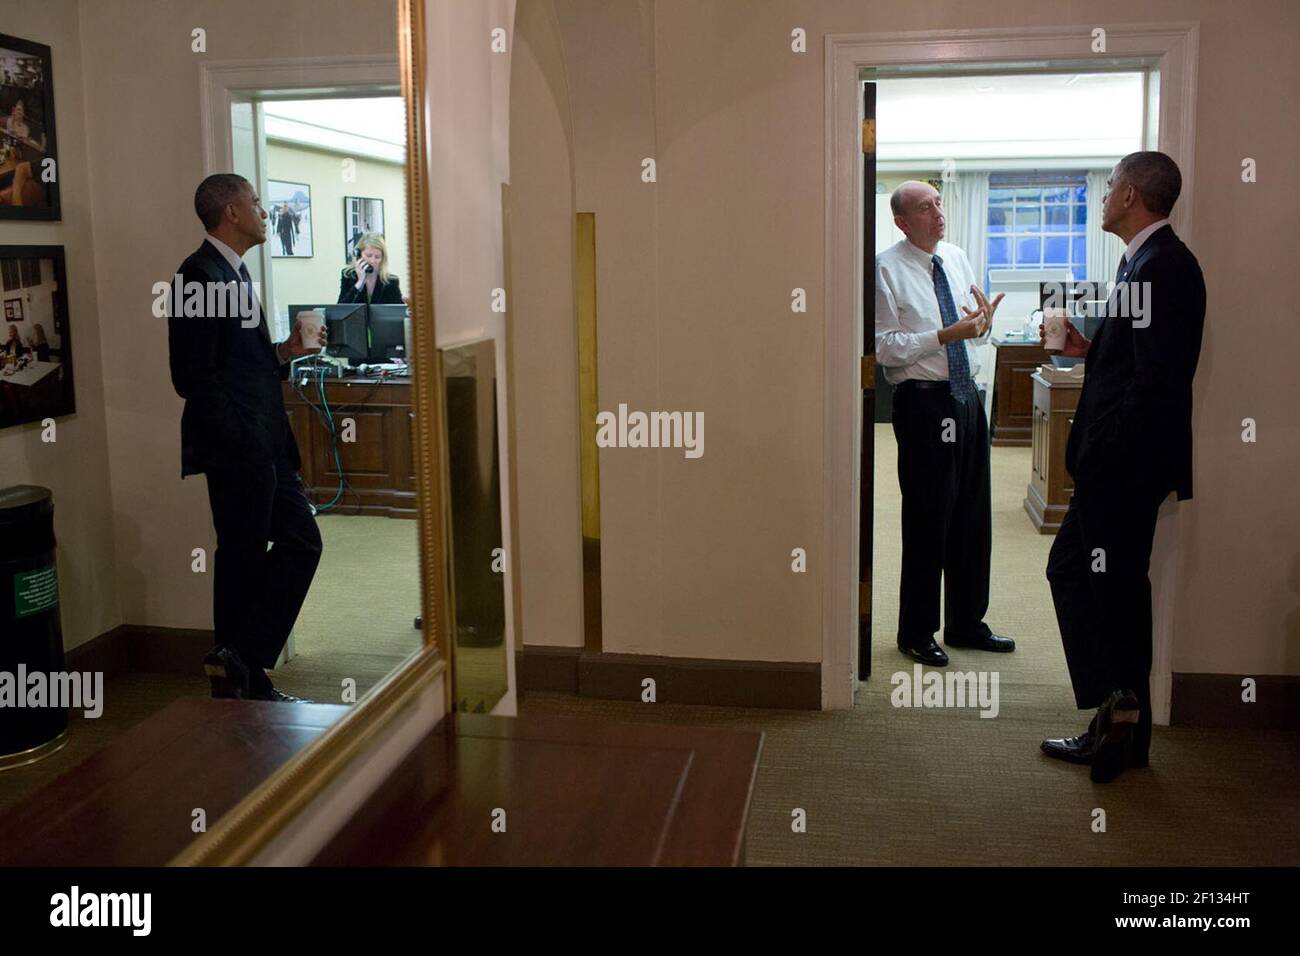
281, 696
992, 642
929, 653
1080, 749
1117, 724
227, 673
1071, 749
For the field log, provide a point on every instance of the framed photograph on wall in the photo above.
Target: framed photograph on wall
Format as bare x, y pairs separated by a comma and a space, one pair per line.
29, 182
35, 340
360, 216
288, 209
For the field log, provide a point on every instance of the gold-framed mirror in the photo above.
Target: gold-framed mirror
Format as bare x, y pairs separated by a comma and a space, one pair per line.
426, 686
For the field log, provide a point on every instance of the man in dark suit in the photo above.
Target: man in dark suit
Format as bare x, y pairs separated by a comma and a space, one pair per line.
234, 429
1130, 446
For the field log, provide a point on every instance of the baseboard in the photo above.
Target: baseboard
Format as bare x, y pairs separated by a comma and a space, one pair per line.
678, 680
1214, 700
108, 654
134, 647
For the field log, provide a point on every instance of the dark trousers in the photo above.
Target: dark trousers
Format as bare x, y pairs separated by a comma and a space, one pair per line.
943, 473
1105, 615
257, 593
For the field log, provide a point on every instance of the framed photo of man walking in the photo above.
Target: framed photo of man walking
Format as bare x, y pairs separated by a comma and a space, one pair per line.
288, 208
29, 174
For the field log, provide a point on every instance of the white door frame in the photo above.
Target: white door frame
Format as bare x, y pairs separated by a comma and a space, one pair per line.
221, 82
1172, 48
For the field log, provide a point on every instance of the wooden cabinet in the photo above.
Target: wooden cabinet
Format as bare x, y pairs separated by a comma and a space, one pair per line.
378, 462
1048, 496
1013, 391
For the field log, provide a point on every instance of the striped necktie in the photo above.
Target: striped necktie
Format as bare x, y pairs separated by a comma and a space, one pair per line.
960, 383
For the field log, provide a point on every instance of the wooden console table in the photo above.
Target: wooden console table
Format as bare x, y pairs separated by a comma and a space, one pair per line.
1048, 496
1013, 392
575, 792
379, 463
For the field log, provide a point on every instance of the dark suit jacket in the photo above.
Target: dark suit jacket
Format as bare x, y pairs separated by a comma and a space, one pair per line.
386, 293
228, 375
1135, 411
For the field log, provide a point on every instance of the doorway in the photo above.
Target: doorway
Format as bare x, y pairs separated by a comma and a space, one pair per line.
1167, 57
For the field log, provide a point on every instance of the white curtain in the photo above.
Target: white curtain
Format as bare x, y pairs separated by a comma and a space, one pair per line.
966, 205
966, 208
1104, 248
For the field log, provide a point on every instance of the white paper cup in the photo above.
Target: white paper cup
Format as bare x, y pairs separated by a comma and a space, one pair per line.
311, 320
1054, 329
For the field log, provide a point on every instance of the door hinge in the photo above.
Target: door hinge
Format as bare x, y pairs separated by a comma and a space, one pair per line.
869, 135
868, 372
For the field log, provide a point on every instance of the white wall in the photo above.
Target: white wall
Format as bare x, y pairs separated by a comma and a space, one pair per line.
75, 466
694, 279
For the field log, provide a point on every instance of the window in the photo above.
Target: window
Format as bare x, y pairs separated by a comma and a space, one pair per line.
1038, 222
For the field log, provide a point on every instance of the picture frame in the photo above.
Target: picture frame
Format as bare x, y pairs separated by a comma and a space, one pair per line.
361, 214
29, 182
36, 373
289, 225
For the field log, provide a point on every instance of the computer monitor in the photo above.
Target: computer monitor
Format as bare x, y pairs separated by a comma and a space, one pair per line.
345, 326
387, 333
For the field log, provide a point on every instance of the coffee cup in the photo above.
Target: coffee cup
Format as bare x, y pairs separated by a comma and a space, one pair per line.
1054, 330
311, 321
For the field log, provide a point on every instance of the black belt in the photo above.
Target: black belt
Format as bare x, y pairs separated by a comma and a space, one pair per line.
926, 383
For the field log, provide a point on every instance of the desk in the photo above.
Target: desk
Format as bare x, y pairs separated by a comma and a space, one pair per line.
33, 393
30, 375
1048, 496
379, 463
1013, 393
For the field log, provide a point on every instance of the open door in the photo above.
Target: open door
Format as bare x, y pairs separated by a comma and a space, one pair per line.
866, 483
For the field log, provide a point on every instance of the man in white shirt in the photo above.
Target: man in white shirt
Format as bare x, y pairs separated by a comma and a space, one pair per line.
925, 348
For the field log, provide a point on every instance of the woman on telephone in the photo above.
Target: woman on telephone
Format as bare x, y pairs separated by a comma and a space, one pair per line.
368, 279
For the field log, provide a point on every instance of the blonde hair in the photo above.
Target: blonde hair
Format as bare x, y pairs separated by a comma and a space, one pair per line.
374, 240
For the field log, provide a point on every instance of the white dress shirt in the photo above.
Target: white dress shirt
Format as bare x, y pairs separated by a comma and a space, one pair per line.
230, 255
907, 311
1136, 242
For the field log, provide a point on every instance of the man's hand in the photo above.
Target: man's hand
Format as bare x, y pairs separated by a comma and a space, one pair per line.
983, 307
1076, 343
297, 344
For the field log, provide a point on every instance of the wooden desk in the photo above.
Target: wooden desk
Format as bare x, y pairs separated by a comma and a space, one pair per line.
379, 463
1048, 496
1013, 392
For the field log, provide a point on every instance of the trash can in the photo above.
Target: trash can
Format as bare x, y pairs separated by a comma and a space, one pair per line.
31, 638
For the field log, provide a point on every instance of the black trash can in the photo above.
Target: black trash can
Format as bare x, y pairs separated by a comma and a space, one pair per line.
31, 638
